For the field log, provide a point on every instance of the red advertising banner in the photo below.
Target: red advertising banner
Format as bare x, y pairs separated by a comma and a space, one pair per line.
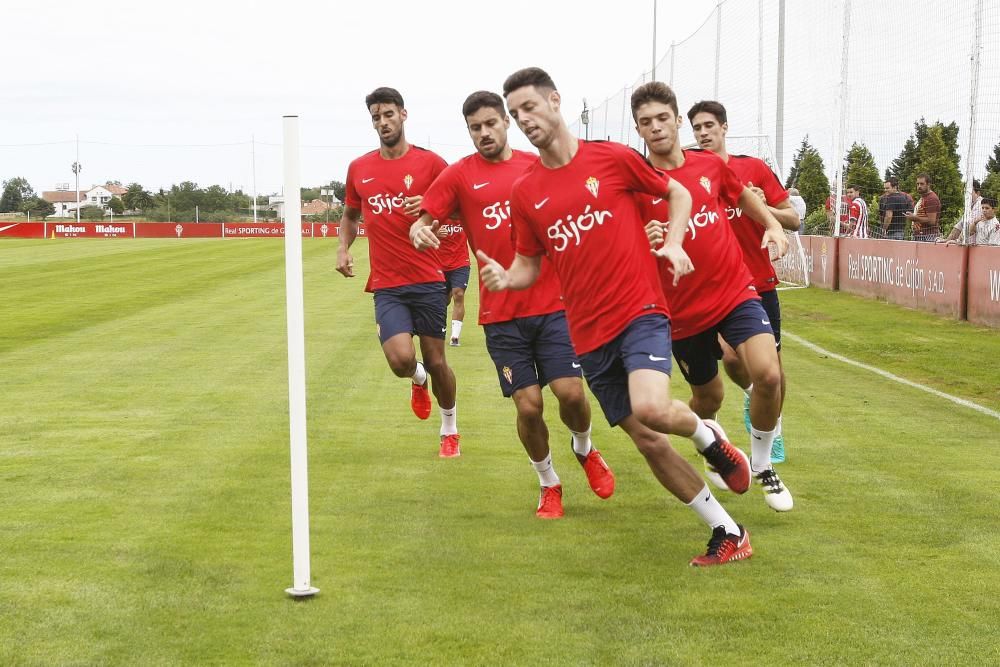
247, 230
984, 285
23, 230
820, 261
91, 230
179, 230
927, 276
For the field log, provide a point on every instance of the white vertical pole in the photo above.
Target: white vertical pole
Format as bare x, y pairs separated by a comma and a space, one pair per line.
718, 48
838, 159
654, 41
253, 169
296, 363
760, 75
779, 103
970, 153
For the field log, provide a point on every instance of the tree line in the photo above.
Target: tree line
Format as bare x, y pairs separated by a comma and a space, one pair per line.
180, 202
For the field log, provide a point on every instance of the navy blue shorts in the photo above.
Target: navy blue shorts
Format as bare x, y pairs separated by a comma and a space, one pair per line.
698, 355
769, 300
531, 350
419, 310
457, 278
645, 343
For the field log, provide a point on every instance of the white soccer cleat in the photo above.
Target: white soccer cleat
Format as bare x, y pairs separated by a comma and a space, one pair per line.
776, 495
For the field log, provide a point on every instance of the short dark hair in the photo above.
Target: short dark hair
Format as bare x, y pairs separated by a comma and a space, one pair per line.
976, 185
483, 99
924, 175
708, 106
384, 95
854, 187
990, 201
654, 91
893, 181
529, 76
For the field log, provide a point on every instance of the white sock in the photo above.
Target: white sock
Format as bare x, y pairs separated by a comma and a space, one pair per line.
703, 436
449, 420
777, 429
546, 472
760, 448
748, 390
420, 376
456, 328
711, 512
581, 441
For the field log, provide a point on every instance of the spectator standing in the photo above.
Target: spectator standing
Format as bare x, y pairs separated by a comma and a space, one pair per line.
985, 231
927, 212
893, 207
857, 214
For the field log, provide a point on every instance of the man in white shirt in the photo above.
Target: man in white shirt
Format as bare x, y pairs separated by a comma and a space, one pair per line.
798, 203
961, 232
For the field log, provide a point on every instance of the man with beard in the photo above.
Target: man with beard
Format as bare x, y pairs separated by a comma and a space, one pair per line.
526, 332
577, 207
410, 293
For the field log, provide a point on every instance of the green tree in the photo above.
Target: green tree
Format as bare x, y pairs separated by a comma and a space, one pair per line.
308, 194
860, 170
991, 185
905, 166
215, 198
136, 198
92, 213
339, 190
793, 173
811, 180
946, 179
15, 192
38, 208
993, 164
116, 205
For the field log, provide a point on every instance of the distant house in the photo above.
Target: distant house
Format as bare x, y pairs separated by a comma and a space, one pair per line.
65, 201
314, 207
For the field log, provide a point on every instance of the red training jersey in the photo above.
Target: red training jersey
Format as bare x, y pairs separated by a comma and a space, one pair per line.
585, 218
379, 187
480, 191
750, 232
720, 280
453, 251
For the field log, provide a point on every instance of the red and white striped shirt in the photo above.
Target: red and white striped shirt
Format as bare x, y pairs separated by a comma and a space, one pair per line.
859, 218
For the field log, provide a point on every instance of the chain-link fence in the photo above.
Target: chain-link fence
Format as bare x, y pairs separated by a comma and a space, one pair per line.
878, 90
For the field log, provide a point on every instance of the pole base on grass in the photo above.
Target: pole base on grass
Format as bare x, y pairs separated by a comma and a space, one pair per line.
309, 591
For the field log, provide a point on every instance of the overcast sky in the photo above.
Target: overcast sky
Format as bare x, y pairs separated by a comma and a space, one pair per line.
162, 92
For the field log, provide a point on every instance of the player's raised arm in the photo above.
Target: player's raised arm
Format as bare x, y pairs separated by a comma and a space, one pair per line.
773, 230
348, 232
423, 232
679, 201
522, 273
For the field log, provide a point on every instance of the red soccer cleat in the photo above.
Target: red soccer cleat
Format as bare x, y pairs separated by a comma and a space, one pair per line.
550, 503
420, 400
727, 461
599, 475
725, 548
449, 446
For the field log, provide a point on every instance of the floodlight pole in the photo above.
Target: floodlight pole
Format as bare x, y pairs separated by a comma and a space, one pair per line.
296, 363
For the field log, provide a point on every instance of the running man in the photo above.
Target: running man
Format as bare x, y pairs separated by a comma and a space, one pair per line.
708, 121
454, 254
526, 332
577, 207
408, 286
718, 299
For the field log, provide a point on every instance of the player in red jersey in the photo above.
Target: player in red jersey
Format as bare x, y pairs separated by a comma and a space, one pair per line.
709, 122
454, 254
526, 332
408, 286
577, 207
718, 299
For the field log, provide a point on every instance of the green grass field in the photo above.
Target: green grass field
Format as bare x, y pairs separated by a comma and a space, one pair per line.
145, 505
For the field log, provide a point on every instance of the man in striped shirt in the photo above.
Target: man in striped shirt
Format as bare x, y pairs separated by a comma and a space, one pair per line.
857, 217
